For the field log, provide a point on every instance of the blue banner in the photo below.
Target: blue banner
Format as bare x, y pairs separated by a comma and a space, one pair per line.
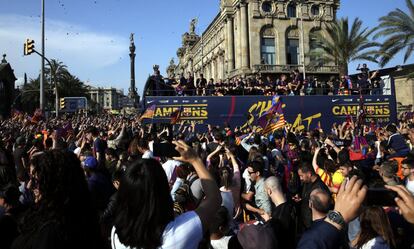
302, 112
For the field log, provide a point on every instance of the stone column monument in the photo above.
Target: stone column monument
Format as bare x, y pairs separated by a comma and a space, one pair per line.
133, 95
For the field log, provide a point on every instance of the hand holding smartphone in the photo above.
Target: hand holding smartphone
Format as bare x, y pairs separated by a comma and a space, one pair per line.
165, 149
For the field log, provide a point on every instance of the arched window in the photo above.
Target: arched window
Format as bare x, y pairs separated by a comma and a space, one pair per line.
315, 10
292, 47
268, 46
291, 10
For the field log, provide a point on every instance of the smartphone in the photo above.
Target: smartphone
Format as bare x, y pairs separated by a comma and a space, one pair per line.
165, 149
380, 197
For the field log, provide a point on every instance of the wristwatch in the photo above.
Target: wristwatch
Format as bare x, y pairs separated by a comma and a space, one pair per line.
336, 217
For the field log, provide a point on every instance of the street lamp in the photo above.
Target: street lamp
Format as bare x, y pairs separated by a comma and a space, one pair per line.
42, 71
302, 40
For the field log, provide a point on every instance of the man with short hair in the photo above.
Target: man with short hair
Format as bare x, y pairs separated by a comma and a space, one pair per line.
143, 148
262, 202
111, 160
408, 172
320, 203
311, 181
396, 142
282, 219
98, 146
388, 172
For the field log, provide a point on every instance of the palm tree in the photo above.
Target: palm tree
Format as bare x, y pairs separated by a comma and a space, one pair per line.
30, 95
398, 29
341, 45
57, 70
67, 84
71, 86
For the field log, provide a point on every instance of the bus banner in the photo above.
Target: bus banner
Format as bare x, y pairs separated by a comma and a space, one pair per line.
302, 112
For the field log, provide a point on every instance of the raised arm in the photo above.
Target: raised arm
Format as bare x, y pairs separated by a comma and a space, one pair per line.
330, 143
209, 205
217, 150
314, 161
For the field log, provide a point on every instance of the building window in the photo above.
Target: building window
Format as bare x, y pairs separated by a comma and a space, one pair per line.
292, 51
267, 6
315, 10
268, 51
291, 10
292, 46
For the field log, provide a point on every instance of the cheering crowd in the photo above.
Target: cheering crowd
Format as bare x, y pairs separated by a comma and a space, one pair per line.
113, 182
289, 85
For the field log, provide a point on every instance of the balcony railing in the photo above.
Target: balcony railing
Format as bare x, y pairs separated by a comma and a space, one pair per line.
289, 68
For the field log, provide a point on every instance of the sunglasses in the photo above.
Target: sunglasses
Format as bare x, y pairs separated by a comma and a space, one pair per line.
251, 172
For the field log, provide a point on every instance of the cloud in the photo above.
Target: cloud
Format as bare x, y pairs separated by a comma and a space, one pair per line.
83, 50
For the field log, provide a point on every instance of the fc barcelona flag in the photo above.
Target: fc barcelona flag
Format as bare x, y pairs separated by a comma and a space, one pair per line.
149, 113
273, 119
267, 116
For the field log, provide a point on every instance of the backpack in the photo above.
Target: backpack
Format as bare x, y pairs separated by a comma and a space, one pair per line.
184, 198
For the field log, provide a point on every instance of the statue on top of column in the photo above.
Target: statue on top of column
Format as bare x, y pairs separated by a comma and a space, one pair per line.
193, 24
131, 38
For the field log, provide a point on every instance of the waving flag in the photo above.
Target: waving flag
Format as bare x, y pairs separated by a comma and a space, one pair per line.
149, 113
267, 116
273, 119
176, 115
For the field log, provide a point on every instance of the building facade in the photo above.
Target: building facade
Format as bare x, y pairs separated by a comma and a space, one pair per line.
7, 80
250, 37
105, 98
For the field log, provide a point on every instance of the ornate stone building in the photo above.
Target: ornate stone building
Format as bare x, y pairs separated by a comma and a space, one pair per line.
250, 37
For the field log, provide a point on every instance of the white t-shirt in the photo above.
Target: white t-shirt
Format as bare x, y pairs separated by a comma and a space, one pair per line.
222, 243
410, 186
377, 242
185, 231
169, 168
147, 155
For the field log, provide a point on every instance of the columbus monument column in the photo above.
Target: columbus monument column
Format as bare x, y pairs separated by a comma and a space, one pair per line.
132, 89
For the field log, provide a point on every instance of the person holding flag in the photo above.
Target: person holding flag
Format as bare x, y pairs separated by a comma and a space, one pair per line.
273, 119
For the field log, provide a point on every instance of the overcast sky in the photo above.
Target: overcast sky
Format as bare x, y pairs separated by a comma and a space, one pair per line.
91, 37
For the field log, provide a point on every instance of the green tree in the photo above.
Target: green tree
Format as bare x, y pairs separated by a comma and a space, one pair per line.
68, 85
56, 70
341, 44
71, 86
31, 96
398, 30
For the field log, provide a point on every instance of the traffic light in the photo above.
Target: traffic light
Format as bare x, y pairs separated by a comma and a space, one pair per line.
62, 104
29, 47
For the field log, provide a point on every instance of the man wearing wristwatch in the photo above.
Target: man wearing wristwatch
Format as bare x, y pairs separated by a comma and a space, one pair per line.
327, 234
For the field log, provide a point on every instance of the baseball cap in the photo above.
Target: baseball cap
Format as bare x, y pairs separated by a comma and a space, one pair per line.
90, 162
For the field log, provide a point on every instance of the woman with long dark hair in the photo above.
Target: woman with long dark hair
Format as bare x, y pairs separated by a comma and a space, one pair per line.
62, 216
144, 216
376, 232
